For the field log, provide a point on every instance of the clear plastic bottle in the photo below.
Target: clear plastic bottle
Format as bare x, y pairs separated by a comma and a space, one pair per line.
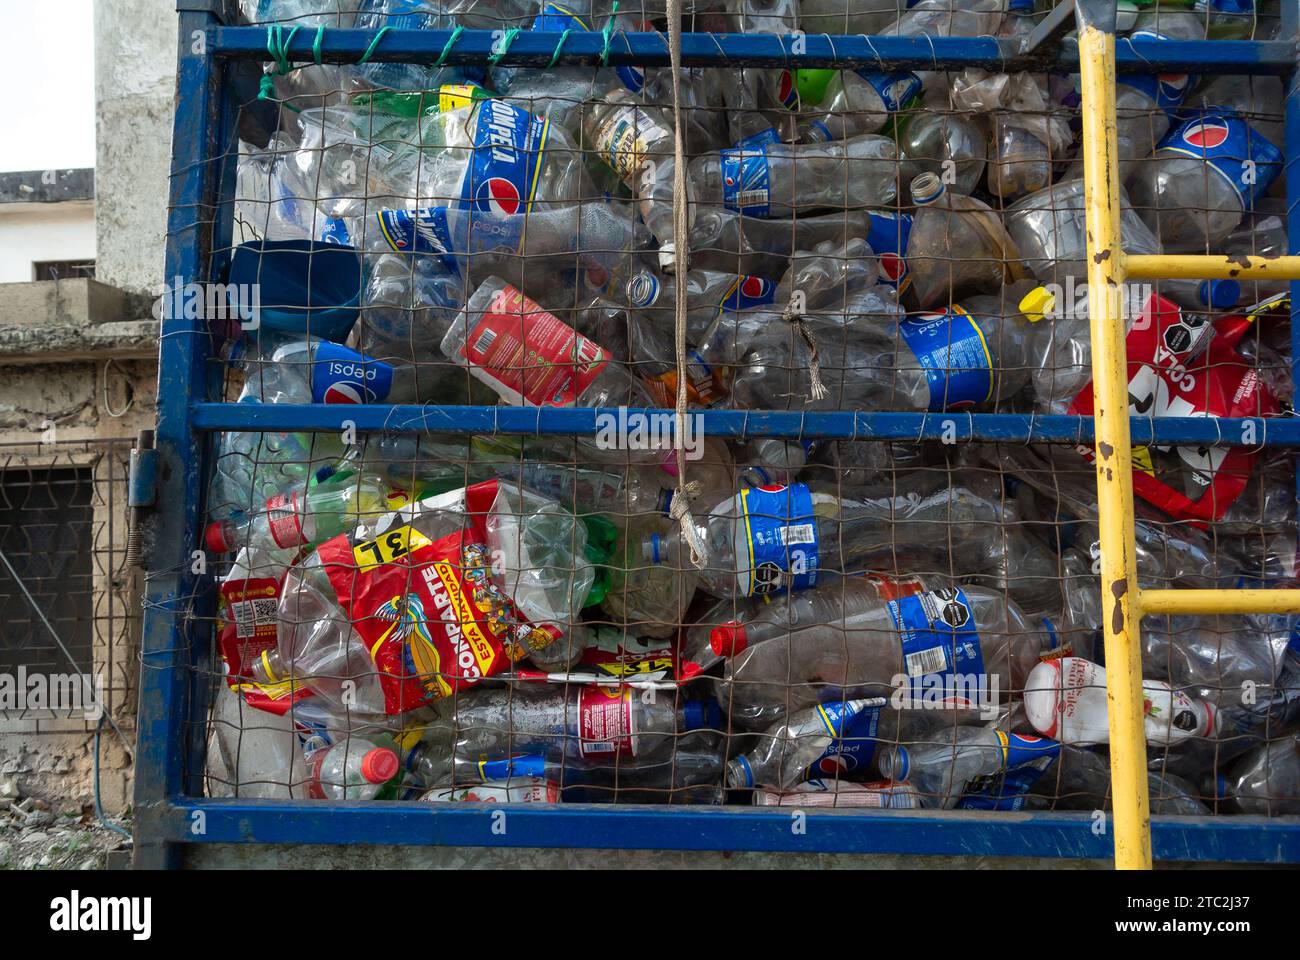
940, 770
858, 102
354, 768
852, 642
778, 180
958, 246
938, 139
1265, 782
785, 751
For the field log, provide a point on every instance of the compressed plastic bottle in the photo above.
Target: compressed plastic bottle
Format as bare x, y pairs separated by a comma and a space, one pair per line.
952, 648
583, 721
354, 768
948, 18
941, 770
1213, 167
943, 142
785, 751
729, 242
858, 102
778, 180
1265, 782
958, 246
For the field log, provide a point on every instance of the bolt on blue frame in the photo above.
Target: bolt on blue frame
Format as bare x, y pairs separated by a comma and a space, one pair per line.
170, 810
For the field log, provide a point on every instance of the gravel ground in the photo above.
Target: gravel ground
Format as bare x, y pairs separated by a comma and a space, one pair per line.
37, 836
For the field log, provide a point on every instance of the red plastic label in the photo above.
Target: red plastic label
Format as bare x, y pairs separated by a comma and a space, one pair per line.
282, 517
531, 356
605, 722
1172, 373
250, 629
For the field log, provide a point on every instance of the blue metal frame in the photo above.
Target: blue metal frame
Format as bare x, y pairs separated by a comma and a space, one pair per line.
169, 811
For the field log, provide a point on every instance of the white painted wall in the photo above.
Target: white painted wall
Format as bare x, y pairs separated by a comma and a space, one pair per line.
35, 232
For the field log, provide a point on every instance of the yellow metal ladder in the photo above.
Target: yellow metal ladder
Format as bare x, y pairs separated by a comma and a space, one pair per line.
1124, 603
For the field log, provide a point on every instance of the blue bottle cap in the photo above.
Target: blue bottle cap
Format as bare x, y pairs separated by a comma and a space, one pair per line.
1219, 294
902, 765
702, 715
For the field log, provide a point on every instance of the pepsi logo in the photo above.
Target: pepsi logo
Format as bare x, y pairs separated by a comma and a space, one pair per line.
1206, 135
892, 267
1172, 85
772, 487
498, 195
755, 287
345, 392
787, 92
835, 764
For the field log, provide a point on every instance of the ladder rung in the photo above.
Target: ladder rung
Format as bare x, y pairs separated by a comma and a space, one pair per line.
1175, 266
1159, 602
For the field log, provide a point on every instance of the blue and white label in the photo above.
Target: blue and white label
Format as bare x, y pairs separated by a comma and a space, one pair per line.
340, 375
502, 175
746, 181
643, 290
896, 90
336, 232
887, 235
940, 641
1006, 790
776, 540
416, 231
523, 765
850, 755
757, 141
1230, 147
951, 349
398, 14
1166, 90
746, 293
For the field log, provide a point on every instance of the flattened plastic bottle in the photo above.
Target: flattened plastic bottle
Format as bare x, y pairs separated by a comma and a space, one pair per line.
1265, 782
941, 769
785, 751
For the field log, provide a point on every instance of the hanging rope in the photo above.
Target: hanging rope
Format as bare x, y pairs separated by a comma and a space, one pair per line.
817, 388
686, 491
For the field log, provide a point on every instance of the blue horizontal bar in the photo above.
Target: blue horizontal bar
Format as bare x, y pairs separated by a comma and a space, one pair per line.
914, 832
761, 50
743, 424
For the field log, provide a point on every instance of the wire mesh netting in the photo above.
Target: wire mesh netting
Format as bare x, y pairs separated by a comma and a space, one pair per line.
615, 618
69, 604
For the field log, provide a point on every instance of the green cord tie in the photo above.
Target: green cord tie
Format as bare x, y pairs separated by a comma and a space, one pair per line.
315, 47
608, 32
508, 39
446, 50
278, 48
558, 47
365, 57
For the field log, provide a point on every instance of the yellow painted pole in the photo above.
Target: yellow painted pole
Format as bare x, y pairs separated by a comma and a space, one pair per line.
1114, 462
1158, 602
1177, 266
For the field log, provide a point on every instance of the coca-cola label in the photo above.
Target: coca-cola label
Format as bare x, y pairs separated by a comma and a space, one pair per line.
1231, 148
952, 350
606, 722
746, 181
940, 643
1172, 373
887, 235
529, 356
776, 539
340, 375
502, 174
427, 611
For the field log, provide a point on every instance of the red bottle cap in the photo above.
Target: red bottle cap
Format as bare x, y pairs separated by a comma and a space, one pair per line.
214, 537
379, 765
728, 639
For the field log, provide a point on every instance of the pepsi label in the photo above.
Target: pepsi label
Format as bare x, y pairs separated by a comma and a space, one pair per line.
951, 349
416, 231
939, 637
747, 292
340, 375
1226, 142
558, 19
1007, 789
852, 752
508, 144
746, 181
896, 90
887, 235
1167, 90
776, 545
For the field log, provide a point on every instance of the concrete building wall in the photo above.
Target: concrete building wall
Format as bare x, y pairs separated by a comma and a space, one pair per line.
36, 232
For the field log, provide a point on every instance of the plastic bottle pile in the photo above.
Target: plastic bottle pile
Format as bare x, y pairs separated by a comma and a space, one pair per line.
552, 618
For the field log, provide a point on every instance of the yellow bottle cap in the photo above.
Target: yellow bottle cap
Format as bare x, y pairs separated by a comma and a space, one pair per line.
1037, 303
